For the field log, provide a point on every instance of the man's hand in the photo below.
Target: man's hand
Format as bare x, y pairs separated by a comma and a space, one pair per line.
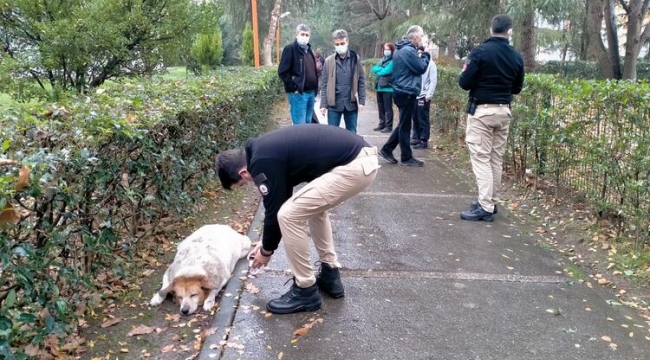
323, 111
361, 108
259, 260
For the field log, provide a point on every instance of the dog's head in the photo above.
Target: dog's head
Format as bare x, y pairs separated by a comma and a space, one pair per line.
190, 292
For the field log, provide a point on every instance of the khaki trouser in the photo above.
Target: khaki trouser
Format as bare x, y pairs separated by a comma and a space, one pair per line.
309, 206
487, 137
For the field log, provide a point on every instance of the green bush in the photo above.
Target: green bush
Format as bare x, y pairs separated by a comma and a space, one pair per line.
247, 47
590, 136
92, 174
585, 69
207, 49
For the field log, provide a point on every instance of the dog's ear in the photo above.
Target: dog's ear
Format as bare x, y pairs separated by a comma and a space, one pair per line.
167, 290
208, 284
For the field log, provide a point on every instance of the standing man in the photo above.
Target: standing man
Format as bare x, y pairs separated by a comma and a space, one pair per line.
336, 164
493, 72
421, 118
344, 84
298, 72
406, 80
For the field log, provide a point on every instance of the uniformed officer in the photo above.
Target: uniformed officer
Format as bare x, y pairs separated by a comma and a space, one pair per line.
492, 73
336, 164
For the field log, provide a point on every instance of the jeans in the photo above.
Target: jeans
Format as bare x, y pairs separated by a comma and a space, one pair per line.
421, 122
302, 106
349, 116
400, 136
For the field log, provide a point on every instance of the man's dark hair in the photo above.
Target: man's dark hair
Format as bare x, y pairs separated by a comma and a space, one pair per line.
421, 48
501, 24
228, 165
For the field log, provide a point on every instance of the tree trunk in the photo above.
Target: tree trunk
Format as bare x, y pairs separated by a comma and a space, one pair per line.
596, 11
270, 38
636, 36
611, 30
528, 41
452, 44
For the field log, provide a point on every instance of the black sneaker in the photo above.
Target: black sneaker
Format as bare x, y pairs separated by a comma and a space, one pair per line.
475, 206
329, 281
297, 299
477, 215
378, 128
413, 162
421, 145
415, 141
387, 156
387, 130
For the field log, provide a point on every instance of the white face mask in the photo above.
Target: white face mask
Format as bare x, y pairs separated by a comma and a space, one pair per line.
303, 40
341, 49
387, 53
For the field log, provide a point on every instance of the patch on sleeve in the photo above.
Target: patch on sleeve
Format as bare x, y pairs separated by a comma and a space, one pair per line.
264, 190
259, 179
466, 64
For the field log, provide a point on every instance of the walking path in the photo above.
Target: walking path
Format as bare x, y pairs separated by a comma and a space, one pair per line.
423, 284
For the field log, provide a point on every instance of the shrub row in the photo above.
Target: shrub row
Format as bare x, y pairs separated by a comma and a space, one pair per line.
82, 180
586, 69
589, 136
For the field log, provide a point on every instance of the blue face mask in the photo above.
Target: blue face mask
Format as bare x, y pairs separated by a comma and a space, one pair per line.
387, 53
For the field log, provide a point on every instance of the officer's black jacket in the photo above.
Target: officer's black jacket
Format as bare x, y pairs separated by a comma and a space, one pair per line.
493, 72
284, 158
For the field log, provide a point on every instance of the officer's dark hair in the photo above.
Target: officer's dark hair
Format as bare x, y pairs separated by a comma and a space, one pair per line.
501, 24
228, 165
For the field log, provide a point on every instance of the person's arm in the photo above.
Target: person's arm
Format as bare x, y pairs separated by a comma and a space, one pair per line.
469, 77
323, 87
384, 70
284, 68
361, 90
417, 65
272, 184
433, 80
518, 85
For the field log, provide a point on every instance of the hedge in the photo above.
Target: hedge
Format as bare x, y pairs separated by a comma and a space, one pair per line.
591, 137
586, 69
83, 180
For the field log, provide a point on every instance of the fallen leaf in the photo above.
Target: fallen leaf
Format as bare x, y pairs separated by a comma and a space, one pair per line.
604, 282
300, 332
9, 215
613, 346
173, 317
141, 330
606, 338
267, 315
207, 332
280, 355
124, 350
111, 322
167, 348
631, 334
23, 178
617, 272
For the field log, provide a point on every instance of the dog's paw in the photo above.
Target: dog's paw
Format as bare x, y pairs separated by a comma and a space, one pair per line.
208, 304
156, 300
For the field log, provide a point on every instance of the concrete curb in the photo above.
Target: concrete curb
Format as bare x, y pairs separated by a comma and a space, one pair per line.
228, 305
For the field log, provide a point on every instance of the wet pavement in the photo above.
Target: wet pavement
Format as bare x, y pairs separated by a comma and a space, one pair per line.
422, 284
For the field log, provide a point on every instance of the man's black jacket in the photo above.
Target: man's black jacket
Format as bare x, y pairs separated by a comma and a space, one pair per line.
291, 69
493, 72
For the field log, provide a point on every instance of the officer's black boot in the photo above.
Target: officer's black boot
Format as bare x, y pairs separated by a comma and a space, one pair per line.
329, 281
297, 299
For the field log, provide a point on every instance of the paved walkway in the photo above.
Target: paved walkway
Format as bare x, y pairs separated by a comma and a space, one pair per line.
422, 284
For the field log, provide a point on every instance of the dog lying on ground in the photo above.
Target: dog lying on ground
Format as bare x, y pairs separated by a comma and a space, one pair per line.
202, 266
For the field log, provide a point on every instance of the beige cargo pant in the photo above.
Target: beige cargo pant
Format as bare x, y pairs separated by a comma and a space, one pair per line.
486, 137
309, 206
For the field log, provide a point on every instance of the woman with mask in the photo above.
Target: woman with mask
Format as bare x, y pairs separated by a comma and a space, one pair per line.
384, 89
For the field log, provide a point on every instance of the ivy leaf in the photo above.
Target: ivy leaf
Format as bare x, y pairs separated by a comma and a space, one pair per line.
11, 299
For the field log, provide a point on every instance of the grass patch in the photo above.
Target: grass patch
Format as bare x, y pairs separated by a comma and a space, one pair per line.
574, 271
634, 265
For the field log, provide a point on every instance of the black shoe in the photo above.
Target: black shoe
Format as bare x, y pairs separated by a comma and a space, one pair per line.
387, 156
387, 130
329, 281
477, 215
297, 299
415, 141
475, 206
378, 128
421, 145
413, 162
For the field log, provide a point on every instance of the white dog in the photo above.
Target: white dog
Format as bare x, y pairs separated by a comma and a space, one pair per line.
203, 265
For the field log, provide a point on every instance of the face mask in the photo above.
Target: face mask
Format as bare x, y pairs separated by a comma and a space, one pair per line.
387, 53
303, 40
341, 49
